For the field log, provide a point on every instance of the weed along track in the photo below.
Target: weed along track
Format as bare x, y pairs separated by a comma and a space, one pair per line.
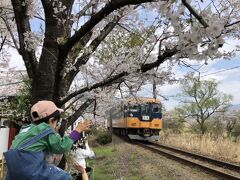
219, 168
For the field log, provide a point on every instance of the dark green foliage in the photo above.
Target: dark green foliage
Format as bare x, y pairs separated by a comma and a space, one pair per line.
20, 105
104, 137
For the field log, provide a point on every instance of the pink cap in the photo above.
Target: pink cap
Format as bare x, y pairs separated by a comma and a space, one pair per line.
43, 109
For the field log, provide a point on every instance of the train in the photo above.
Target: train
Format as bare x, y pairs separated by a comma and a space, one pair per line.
140, 119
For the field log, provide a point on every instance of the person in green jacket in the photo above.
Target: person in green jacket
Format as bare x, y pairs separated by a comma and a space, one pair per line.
25, 159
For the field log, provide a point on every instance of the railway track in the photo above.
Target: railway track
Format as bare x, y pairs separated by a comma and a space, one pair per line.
222, 169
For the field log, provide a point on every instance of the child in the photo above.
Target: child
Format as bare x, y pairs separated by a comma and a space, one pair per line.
80, 153
25, 159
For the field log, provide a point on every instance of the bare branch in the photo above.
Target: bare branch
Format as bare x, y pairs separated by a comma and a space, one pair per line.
194, 13
233, 23
2, 43
10, 31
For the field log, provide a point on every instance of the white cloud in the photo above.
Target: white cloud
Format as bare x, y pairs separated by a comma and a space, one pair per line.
230, 45
229, 83
169, 91
168, 88
231, 88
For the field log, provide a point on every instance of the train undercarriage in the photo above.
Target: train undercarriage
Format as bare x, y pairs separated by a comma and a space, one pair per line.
138, 134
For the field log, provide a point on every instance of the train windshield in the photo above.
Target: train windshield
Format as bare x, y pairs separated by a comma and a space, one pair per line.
145, 109
134, 108
156, 108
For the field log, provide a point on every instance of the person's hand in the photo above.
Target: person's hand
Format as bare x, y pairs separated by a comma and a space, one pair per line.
80, 168
83, 126
57, 129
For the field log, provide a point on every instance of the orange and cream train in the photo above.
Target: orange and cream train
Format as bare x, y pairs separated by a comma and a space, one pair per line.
140, 119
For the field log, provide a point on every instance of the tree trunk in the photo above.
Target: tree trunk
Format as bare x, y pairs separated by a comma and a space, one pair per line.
202, 128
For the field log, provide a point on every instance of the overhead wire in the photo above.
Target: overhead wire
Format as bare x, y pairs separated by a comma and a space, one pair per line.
168, 96
221, 71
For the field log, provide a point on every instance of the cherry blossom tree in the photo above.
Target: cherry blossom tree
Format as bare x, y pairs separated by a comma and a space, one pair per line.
110, 46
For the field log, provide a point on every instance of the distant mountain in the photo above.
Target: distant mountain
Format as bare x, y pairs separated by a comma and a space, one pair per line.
235, 107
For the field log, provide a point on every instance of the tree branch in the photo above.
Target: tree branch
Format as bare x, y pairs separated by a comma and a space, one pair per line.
84, 9
10, 31
106, 82
93, 46
2, 43
62, 83
194, 13
80, 110
96, 18
23, 26
233, 23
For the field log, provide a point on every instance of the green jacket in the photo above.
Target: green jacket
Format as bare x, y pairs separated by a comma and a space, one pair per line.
52, 142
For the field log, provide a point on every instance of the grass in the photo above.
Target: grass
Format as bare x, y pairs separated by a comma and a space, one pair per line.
117, 161
103, 166
123, 161
107, 151
133, 157
218, 147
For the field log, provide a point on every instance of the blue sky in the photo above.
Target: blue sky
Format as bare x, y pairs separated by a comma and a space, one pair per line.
225, 71
229, 81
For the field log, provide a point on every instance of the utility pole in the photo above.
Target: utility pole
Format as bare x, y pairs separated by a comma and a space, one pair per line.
154, 89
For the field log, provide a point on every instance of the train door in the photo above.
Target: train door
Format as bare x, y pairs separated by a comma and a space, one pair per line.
145, 120
145, 115
145, 112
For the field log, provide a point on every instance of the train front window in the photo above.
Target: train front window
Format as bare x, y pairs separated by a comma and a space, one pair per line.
145, 109
156, 108
134, 108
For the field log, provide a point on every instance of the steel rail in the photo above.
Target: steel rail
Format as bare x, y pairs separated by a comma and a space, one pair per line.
223, 164
212, 170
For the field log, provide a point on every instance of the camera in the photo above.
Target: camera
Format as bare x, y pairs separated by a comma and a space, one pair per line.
63, 126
